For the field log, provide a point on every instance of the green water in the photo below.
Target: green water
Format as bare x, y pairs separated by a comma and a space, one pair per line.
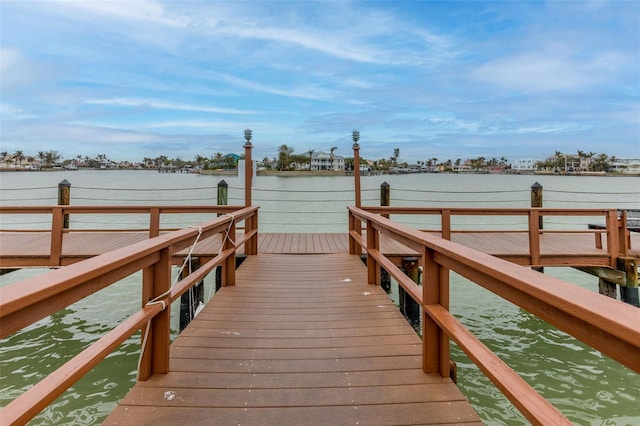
588, 388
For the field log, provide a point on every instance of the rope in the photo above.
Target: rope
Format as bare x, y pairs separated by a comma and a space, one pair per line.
589, 192
143, 189
227, 231
160, 298
458, 192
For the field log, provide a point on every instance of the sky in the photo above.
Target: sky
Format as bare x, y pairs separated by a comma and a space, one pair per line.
435, 79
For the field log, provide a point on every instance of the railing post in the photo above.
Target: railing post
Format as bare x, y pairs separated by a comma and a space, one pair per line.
155, 341
534, 239
613, 243
445, 224
64, 199
385, 197
57, 221
373, 242
154, 222
356, 166
435, 291
228, 275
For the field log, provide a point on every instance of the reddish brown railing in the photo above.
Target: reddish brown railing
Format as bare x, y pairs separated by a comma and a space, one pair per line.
30, 300
607, 325
615, 229
154, 213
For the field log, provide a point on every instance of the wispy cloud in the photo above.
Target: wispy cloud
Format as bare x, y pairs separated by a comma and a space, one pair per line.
159, 104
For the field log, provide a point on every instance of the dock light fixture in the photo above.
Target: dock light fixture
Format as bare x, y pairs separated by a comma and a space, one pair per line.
355, 135
247, 136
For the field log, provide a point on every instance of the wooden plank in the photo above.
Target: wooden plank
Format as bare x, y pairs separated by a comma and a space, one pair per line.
557, 249
297, 340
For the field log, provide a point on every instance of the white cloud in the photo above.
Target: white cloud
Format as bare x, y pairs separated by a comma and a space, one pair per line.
548, 71
159, 104
304, 92
13, 112
138, 10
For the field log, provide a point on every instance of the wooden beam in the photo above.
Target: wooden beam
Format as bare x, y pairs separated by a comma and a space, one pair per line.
609, 274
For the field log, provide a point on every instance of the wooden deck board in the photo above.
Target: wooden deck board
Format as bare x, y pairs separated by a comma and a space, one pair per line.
32, 248
299, 340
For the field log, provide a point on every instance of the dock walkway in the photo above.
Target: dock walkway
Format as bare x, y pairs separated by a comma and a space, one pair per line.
298, 340
23, 249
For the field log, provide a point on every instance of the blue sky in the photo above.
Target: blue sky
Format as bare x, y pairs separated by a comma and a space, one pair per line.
135, 79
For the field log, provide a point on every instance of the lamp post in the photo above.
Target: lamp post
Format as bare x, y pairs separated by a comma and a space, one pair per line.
355, 135
248, 167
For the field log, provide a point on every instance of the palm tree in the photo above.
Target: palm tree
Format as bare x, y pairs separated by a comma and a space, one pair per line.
310, 152
217, 159
18, 156
333, 148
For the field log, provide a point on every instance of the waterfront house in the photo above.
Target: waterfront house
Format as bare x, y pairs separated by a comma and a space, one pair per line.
322, 161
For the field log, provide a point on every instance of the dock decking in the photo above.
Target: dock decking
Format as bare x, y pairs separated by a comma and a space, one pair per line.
298, 340
22, 249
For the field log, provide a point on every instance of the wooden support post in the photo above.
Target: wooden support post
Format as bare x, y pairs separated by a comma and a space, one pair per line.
228, 273
355, 135
64, 199
629, 293
154, 222
435, 291
190, 300
536, 201
156, 285
385, 196
373, 243
409, 307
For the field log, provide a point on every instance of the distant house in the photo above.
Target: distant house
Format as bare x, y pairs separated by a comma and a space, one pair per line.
524, 165
323, 161
232, 159
626, 166
465, 167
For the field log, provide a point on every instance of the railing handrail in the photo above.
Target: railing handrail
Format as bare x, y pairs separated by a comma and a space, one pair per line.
605, 324
23, 303
615, 227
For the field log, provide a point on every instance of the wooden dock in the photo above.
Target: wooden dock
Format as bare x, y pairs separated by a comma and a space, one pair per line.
23, 249
298, 340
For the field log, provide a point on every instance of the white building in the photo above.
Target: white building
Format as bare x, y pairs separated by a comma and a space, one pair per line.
323, 161
626, 166
524, 165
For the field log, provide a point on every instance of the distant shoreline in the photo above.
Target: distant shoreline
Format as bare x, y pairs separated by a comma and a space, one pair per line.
322, 173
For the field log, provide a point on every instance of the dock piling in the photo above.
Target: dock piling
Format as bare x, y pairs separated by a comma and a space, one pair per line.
223, 193
385, 197
409, 307
190, 300
629, 292
64, 199
536, 201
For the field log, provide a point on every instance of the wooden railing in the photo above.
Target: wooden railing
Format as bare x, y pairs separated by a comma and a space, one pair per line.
62, 223
28, 301
606, 325
615, 228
